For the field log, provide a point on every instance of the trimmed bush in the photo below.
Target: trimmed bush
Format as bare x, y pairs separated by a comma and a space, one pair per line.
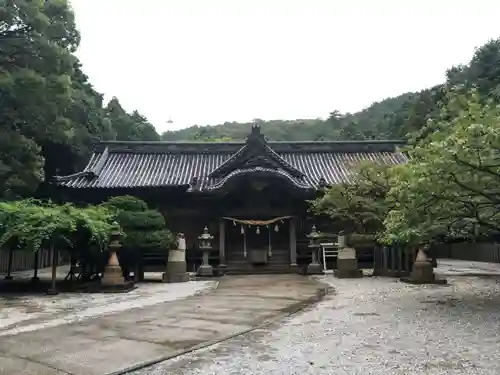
127, 203
359, 240
144, 229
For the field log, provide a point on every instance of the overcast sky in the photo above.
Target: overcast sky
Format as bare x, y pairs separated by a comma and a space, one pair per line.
210, 61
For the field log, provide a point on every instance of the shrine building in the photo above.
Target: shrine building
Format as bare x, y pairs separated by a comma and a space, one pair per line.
252, 196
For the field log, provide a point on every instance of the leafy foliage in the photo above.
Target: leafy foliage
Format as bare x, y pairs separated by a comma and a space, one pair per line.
131, 127
49, 112
449, 189
144, 229
33, 224
358, 206
451, 185
127, 203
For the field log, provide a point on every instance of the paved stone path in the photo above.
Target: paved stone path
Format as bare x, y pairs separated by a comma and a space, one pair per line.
453, 267
25, 313
109, 343
369, 326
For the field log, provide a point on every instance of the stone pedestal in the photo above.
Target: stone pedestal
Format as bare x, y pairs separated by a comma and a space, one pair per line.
176, 270
176, 265
113, 274
423, 271
314, 268
112, 279
347, 264
205, 270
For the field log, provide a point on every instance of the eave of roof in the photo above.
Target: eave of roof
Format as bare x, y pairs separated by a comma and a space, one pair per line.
233, 147
259, 171
143, 170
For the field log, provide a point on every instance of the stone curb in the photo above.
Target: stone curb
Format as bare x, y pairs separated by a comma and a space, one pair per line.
295, 308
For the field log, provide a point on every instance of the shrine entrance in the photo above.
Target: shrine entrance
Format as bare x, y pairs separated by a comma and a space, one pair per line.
254, 244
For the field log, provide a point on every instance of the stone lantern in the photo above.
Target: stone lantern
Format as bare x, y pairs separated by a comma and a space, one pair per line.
314, 268
205, 246
423, 270
113, 275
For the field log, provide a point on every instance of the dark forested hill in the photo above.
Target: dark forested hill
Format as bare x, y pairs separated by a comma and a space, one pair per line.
390, 118
370, 123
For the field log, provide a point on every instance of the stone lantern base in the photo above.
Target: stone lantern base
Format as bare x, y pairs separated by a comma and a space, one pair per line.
205, 270
423, 272
112, 280
314, 269
347, 264
113, 275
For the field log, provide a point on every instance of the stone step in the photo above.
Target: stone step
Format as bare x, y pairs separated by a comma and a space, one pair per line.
263, 271
246, 268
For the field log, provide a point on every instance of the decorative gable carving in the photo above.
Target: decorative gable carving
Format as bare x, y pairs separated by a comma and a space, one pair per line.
255, 153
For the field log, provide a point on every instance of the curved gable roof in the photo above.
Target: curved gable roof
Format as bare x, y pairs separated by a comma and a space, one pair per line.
195, 166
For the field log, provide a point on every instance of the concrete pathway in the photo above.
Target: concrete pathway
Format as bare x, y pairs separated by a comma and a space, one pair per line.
374, 325
112, 343
453, 267
25, 313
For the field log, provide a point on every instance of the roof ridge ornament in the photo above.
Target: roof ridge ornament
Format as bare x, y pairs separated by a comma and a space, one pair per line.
255, 153
255, 134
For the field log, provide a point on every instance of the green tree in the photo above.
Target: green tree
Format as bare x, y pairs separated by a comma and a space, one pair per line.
33, 224
49, 112
451, 185
358, 205
21, 165
37, 39
134, 127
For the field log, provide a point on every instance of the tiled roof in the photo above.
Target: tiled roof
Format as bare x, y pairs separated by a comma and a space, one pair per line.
189, 165
155, 170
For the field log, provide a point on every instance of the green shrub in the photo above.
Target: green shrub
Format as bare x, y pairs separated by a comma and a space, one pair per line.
144, 229
32, 224
358, 240
146, 240
147, 220
126, 203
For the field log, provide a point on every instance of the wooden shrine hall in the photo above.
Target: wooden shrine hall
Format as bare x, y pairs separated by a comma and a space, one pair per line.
251, 196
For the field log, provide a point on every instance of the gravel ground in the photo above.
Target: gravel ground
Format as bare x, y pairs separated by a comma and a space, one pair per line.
369, 326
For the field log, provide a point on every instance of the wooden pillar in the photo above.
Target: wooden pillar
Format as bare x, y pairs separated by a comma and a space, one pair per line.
293, 243
54, 259
222, 243
35, 266
9, 264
